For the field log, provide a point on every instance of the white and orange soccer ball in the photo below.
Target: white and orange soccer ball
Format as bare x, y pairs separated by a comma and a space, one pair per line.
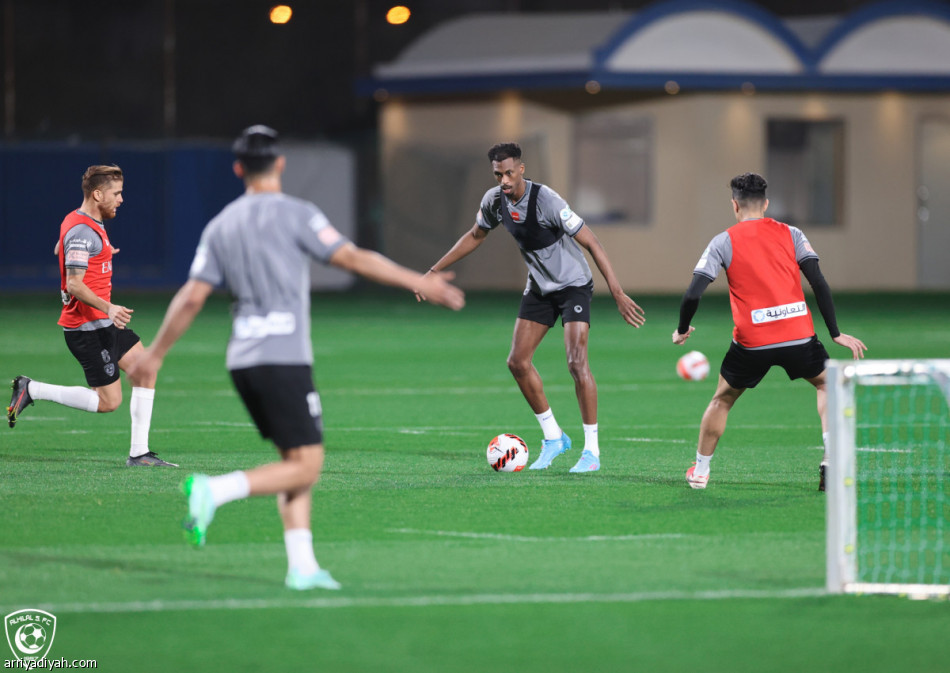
693, 366
507, 453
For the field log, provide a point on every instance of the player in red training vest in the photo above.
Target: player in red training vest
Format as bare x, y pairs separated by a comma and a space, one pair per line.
95, 329
763, 260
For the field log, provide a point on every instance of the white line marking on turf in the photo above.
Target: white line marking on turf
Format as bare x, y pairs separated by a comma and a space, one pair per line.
525, 538
421, 601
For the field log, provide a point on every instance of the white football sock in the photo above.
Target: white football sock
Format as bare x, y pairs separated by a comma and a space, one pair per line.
549, 426
702, 465
824, 440
140, 408
591, 442
299, 543
76, 397
228, 487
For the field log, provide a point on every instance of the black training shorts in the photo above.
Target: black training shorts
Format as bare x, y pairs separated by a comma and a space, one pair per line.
282, 402
744, 368
572, 303
99, 352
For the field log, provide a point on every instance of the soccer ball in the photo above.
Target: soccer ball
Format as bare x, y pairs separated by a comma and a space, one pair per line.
31, 638
693, 366
507, 453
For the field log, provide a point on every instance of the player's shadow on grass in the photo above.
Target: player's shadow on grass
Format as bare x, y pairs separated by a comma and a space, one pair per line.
111, 564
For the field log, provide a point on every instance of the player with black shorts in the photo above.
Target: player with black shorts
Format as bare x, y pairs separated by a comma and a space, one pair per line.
552, 239
96, 330
260, 248
763, 260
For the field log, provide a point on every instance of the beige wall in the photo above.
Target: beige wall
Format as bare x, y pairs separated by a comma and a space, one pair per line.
700, 142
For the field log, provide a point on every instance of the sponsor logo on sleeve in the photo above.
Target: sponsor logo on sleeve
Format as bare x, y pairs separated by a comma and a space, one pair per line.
701, 264
328, 235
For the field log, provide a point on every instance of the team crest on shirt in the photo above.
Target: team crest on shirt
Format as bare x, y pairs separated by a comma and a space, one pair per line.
514, 215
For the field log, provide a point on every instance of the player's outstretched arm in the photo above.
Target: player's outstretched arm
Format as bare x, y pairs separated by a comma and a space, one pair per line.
381, 269
856, 346
184, 306
463, 247
629, 309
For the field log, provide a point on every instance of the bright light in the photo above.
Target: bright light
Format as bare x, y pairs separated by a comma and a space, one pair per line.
397, 15
280, 14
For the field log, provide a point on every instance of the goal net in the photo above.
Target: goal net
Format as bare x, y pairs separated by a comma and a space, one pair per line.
888, 478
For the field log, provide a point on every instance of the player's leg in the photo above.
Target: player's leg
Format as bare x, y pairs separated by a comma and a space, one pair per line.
85, 348
303, 571
524, 342
128, 348
809, 359
711, 429
574, 307
741, 369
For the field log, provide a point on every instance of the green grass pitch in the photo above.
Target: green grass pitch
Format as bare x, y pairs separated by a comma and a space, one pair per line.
446, 565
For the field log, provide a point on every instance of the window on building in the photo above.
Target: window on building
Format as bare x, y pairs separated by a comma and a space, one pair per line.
613, 155
805, 171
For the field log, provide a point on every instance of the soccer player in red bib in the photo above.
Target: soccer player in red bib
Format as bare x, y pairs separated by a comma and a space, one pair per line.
763, 260
96, 330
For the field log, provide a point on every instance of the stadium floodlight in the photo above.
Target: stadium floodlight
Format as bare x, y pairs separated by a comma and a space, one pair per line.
888, 478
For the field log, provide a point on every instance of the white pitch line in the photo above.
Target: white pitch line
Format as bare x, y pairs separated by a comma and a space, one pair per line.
525, 538
418, 601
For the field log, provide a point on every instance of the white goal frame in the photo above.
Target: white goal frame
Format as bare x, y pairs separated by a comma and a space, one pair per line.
841, 486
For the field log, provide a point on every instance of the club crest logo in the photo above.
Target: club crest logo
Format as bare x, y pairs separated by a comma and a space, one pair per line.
30, 633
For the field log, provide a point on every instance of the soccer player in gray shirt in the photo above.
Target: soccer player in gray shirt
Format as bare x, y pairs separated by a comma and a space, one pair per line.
550, 237
259, 247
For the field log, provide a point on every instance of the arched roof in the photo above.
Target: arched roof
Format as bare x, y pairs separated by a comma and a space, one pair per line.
711, 44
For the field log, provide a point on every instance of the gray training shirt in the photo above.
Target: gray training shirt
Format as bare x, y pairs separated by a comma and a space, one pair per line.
561, 264
718, 254
259, 247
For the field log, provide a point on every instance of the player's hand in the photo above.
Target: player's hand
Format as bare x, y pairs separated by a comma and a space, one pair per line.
435, 288
630, 310
419, 295
680, 339
114, 250
856, 345
120, 315
56, 249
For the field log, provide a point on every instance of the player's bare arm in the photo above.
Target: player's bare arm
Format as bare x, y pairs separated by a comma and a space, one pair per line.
463, 247
629, 309
119, 315
381, 269
185, 305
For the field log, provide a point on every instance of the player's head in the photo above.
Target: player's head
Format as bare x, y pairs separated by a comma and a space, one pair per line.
256, 150
503, 151
96, 176
508, 168
748, 193
102, 190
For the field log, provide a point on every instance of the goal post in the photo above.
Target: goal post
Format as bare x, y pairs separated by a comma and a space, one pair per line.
888, 477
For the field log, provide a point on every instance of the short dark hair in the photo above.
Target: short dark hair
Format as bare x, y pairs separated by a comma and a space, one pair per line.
503, 151
97, 176
256, 148
748, 188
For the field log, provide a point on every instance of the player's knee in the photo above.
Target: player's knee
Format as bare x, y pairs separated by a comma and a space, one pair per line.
518, 366
310, 463
578, 366
109, 404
